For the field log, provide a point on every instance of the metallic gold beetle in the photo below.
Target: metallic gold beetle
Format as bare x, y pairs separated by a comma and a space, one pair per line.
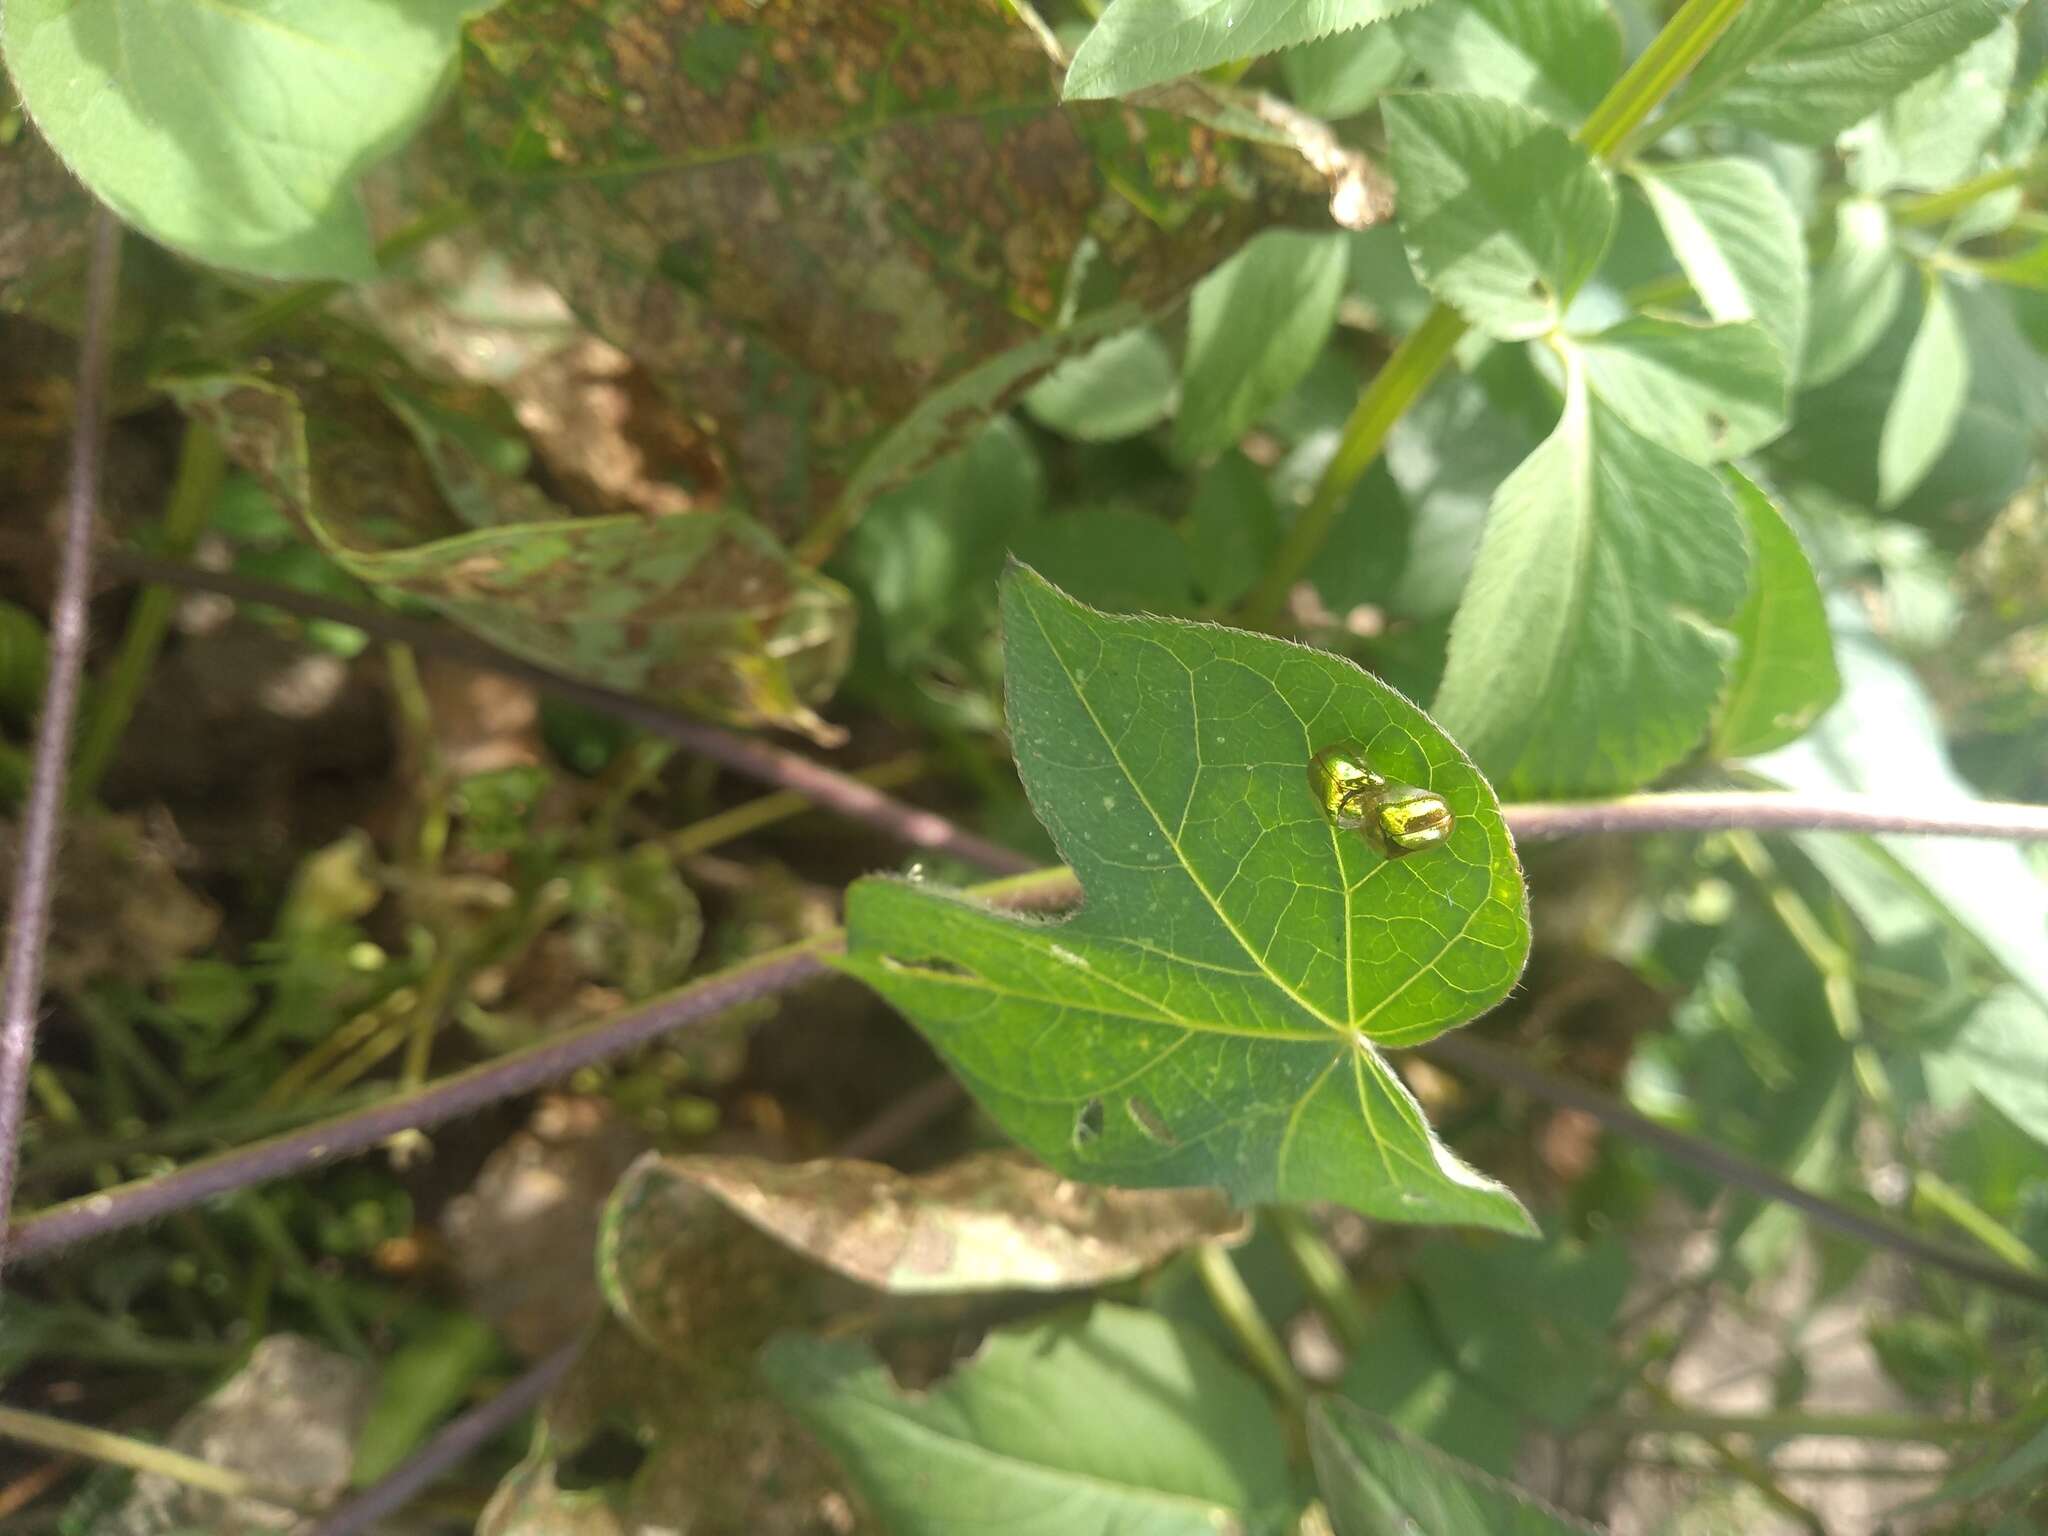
1396, 819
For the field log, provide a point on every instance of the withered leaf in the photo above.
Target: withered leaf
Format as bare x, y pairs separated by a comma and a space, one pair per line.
703, 610
805, 217
992, 1221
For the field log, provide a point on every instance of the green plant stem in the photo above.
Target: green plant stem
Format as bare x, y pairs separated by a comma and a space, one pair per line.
1936, 1194
1422, 354
1938, 207
1399, 383
66, 1438
201, 464
1681, 43
1234, 1302
1322, 1273
1750, 1468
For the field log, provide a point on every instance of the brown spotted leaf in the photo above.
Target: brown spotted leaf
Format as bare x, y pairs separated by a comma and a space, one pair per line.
703, 610
805, 217
993, 1221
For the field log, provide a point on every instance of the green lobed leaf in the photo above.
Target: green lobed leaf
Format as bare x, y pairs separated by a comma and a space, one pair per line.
1932, 389
1343, 74
1856, 291
1116, 389
1142, 42
234, 130
1737, 238
1503, 215
1785, 675
1116, 1421
1559, 57
1591, 646
703, 610
839, 271
1255, 326
1807, 69
1934, 134
1212, 1013
1706, 392
1377, 1481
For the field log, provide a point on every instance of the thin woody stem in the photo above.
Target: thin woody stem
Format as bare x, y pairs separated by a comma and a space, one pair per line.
28, 919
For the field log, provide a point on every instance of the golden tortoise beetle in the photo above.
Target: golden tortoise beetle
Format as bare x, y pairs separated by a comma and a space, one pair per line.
1396, 819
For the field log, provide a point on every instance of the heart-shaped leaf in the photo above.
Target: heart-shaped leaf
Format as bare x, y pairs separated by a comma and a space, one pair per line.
234, 131
1213, 1013
1118, 1421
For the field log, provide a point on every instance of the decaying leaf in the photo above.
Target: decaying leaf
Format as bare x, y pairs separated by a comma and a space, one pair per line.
804, 217
702, 610
991, 1221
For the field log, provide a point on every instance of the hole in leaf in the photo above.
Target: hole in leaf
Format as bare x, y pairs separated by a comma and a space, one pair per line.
1087, 1123
1539, 290
1148, 1120
1717, 426
928, 967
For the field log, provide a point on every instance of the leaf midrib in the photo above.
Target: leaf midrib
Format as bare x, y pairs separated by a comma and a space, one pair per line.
1265, 970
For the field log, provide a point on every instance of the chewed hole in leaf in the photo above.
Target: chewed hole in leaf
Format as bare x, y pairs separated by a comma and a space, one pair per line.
1087, 1124
1148, 1120
1717, 426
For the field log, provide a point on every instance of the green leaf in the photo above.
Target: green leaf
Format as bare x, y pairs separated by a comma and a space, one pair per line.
1211, 1015
1378, 1481
702, 609
1807, 69
1934, 134
1255, 325
1117, 389
1884, 738
1503, 215
424, 1381
1117, 1421
1592, 647
1707, 392
1785, 676
838, 274
2024, 1465
2002, 1051
1738, 240
1142, 42
1856, 291
1932, 388
1341, 75
1490, 1338
1113, 555
1232, 530
229, 129
1558, 57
